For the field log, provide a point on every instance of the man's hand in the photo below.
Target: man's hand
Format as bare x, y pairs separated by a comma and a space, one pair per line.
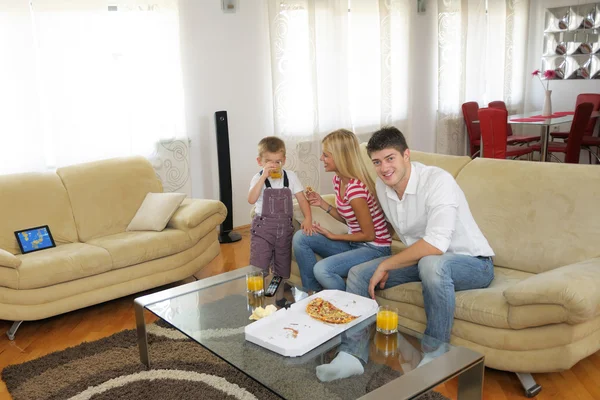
380, 276
318, 228
307, 227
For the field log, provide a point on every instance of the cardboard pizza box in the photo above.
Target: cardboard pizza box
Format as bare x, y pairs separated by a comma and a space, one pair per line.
292, 332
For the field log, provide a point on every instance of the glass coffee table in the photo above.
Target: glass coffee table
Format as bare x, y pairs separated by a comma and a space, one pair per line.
214, 312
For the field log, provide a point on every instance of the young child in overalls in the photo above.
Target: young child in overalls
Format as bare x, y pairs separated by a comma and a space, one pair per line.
271, 192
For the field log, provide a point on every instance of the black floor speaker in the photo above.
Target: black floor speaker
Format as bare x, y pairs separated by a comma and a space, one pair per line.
226, 235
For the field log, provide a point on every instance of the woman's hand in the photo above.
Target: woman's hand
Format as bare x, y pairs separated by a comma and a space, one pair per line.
315, 199
307, 227
319, 229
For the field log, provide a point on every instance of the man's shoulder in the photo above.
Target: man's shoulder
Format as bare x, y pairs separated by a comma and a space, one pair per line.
431, 174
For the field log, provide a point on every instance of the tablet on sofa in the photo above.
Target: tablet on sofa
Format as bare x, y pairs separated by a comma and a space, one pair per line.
34, 239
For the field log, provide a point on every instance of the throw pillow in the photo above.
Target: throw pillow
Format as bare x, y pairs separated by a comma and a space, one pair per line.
156, 211
9, 260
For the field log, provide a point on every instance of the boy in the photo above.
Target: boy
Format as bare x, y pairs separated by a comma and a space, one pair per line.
271, 192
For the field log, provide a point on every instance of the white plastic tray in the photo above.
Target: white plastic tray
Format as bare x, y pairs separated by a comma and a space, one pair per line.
271, 334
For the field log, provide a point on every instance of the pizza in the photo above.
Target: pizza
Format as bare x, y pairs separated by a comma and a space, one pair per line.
323, 310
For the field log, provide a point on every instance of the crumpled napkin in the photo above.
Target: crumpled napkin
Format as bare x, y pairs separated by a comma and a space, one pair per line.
260, 312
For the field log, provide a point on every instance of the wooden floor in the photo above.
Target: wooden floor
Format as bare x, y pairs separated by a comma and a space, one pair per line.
35, 339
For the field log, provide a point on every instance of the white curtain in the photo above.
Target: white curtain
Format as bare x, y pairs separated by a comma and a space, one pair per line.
87, 79
336, 64
482, 57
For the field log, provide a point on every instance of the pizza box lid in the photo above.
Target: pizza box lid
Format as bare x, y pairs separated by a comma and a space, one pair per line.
276, 332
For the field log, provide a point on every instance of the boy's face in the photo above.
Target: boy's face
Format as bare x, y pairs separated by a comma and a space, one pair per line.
391, 165
268, 157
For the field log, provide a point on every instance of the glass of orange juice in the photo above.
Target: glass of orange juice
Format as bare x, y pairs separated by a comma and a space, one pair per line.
387, 320
276, 173
255, 283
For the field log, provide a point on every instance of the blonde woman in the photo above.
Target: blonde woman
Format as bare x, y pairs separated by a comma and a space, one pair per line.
368, 237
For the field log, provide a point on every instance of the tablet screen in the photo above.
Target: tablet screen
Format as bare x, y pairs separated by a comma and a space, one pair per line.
34, 239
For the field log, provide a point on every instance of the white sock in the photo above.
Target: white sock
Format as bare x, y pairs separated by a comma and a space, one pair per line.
342, 366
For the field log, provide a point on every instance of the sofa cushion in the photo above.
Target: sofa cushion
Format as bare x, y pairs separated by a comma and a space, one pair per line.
481, 306
105, 195
60, 264
34, 199
130, 248
155, 212
530, 219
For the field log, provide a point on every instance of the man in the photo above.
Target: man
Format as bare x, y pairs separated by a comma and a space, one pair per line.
445, 251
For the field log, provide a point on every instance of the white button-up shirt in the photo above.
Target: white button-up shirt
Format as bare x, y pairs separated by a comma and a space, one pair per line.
433, 208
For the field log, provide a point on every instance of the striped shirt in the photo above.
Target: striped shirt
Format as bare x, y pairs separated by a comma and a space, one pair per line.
355, 190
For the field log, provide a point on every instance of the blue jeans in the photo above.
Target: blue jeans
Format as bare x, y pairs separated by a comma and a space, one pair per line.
440, 276
338, 258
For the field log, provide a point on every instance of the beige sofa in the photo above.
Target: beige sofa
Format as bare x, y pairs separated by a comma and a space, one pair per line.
542, 311
88, 208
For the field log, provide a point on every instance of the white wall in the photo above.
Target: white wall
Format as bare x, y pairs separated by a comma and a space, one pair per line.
564, 92
226, 66
423, 61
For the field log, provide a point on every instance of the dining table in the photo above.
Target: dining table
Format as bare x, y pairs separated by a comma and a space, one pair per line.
535, 118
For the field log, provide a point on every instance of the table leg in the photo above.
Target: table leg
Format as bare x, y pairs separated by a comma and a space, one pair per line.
470, 383
142, 337
545, 137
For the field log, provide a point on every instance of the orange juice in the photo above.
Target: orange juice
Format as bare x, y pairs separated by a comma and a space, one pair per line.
255, 282
276, 173
387, 320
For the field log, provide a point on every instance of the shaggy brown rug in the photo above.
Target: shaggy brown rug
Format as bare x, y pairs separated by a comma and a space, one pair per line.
110, 369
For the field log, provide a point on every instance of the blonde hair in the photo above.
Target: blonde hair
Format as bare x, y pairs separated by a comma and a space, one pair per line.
271, 144
345, 150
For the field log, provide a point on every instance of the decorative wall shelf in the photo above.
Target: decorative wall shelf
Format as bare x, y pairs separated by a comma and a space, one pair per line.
572, 41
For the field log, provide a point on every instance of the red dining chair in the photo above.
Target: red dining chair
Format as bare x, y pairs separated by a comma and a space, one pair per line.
589, 140
572, 147
493, 122
469, 110
593, 98
513, 139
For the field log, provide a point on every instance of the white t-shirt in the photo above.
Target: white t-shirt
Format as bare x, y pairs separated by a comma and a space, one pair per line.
293, 183
433, 208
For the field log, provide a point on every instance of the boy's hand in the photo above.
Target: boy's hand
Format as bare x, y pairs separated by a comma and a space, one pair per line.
307, 227
267, 168
319, 229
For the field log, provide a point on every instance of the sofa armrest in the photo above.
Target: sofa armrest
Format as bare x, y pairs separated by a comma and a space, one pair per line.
574, 287
192, 212
9, 260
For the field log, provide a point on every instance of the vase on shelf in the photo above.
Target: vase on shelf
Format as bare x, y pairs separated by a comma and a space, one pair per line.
547, 110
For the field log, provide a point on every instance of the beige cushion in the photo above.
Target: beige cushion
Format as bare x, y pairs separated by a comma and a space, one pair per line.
34, 199
62, 264
130, 248
536, 216
105, 195
155, 212
194, 212
8, 260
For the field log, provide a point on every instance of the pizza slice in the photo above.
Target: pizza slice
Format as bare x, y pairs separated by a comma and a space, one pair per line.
325, 311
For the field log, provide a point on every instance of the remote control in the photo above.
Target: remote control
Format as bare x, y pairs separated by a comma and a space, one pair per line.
272, 288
